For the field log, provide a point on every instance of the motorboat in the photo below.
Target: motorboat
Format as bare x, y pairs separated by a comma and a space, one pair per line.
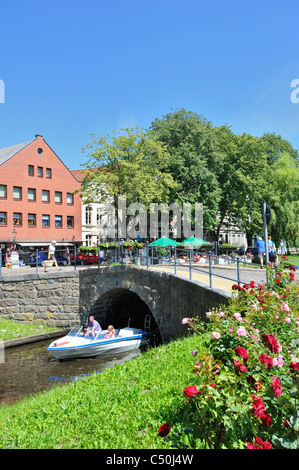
75, 344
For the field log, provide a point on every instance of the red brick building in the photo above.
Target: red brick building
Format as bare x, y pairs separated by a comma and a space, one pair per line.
37, 198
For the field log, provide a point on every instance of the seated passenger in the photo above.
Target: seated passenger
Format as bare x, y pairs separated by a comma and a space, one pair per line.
111, 332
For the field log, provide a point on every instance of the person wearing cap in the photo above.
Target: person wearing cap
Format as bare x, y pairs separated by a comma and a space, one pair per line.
51, 255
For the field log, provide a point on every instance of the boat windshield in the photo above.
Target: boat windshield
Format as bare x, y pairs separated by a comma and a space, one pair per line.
75, 331
99, 334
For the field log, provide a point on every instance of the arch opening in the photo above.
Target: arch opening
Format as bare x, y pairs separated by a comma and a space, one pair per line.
121, 307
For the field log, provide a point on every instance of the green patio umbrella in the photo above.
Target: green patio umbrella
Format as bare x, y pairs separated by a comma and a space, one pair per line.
194, 241
163, 241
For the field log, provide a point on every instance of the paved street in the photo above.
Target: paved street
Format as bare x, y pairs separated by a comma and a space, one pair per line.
202, 275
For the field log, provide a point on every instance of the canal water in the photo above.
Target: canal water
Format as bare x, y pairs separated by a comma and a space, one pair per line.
30, 369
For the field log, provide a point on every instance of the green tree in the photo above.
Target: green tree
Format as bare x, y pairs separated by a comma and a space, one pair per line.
283, 198
194, 160
249, 175
275, 145
131, 163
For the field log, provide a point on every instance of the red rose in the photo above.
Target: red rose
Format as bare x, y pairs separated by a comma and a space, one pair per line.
292, 268
294, 366
266, 360
242, 353
278, 281
259, 444
266, 419
252, 284
276, 385
271, 343
258, 406
191, 391
239, 367
267, 445
164, 429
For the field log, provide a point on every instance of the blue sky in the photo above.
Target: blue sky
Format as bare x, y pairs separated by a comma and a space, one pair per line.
75, 67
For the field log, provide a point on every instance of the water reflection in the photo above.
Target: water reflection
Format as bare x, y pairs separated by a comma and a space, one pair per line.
30, 369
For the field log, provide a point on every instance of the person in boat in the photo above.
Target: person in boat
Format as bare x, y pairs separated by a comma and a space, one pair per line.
93, 327
111, 332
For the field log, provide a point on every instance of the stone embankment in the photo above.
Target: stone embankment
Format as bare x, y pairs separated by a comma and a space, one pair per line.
53, 298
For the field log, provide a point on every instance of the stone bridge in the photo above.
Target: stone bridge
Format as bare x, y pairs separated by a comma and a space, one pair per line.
114, 295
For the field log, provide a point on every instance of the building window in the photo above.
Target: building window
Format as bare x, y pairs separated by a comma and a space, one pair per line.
30, 170
46, 220
45, 195
58, 197
88, 211
58, 220
40, 171
70, 221
3, 218
88, 240
17, 218
31, 220
31, 194
48, 173
3, 191
17, 192
69, 198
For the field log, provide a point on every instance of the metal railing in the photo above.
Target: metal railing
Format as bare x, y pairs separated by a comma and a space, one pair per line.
196, 261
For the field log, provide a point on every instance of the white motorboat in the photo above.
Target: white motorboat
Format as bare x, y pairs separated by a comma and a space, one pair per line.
74, 344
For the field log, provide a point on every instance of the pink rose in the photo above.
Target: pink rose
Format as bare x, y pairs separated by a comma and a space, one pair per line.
216, 335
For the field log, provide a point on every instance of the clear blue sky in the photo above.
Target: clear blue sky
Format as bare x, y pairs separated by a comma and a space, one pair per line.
72, 67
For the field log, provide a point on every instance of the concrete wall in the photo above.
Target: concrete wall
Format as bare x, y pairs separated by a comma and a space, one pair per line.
63, 299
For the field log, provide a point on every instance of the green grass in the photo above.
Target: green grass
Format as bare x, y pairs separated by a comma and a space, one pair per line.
293, 259
121, 408
10, 329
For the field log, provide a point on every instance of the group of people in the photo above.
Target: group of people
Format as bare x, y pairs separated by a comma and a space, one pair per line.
261, 250
94, 327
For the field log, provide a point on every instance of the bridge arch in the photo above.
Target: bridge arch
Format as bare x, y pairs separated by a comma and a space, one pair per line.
107, 292
122, 307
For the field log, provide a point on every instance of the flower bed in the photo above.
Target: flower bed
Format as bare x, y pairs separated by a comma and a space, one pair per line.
246, 387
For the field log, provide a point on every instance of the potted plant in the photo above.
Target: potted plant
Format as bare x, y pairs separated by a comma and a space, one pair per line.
161, 253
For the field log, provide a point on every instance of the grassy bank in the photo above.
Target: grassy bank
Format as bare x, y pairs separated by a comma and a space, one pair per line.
10, 329
121, 408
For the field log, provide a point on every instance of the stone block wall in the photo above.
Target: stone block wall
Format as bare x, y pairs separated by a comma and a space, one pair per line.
52, 298
64, 299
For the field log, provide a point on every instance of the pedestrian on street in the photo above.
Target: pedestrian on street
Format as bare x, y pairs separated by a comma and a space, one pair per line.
261, 248
51, 255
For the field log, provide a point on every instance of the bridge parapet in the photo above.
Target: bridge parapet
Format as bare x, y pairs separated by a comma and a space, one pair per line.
113, 293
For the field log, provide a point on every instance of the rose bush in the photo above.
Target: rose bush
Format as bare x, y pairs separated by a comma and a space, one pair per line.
247, 391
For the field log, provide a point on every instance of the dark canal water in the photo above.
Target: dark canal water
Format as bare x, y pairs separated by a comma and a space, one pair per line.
30, 369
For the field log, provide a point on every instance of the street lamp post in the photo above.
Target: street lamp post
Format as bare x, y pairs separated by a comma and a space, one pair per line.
14, 234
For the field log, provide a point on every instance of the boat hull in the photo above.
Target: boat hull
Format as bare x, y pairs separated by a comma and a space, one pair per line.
75, 347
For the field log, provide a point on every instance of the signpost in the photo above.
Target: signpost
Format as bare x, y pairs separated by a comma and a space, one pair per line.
266, 220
